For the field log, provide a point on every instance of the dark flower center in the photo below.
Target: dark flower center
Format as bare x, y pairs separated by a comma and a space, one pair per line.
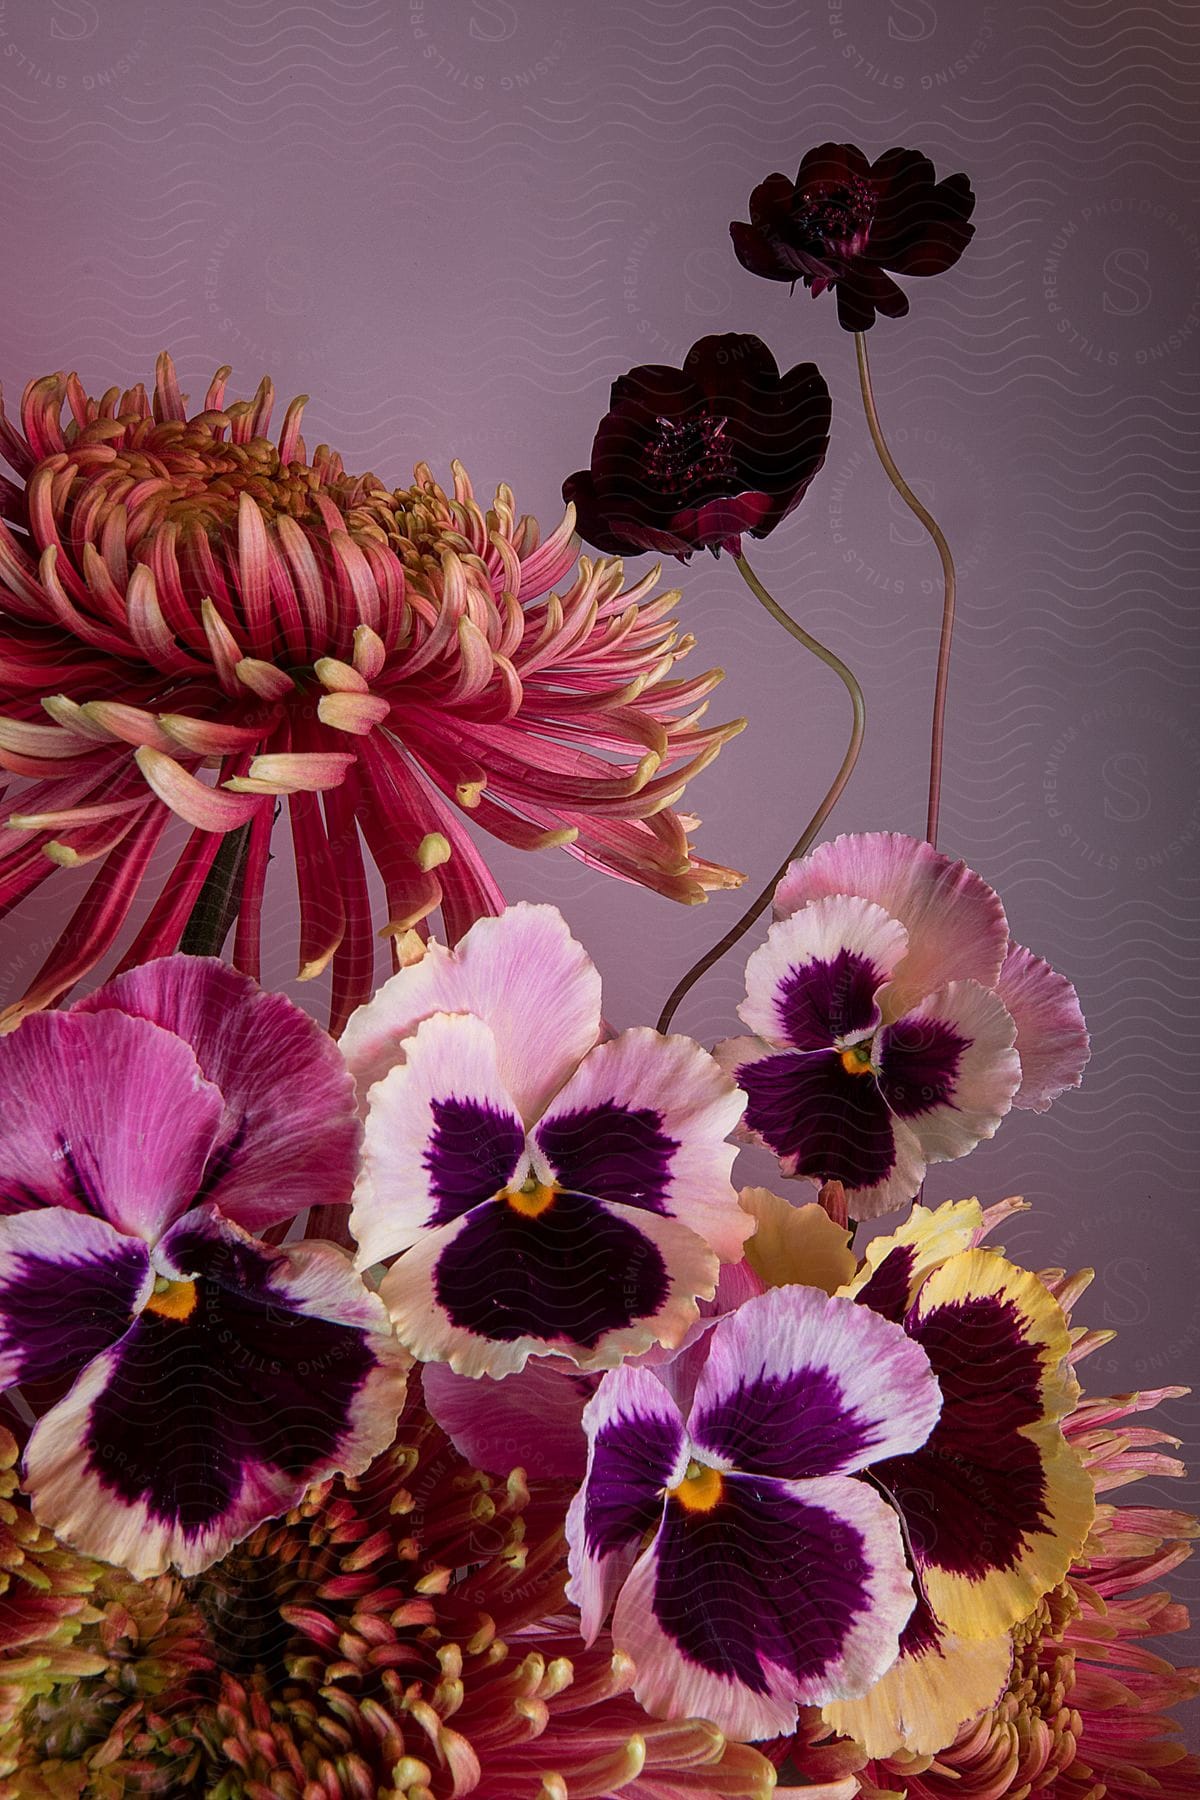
834, 219
691, 453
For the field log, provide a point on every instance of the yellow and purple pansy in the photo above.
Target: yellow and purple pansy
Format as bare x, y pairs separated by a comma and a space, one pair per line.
542, 1191
894, 1021
190, 1379
752, 1566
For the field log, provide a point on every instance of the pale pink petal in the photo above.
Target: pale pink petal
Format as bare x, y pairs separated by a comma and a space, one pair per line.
800, 1384
442, 1135
949, 1068
814, 981
827, 1534
955, 922
290, 1134
636, 1449
1052, 1039
522, 973
464, 1279
899, 1186
532, 1421
645, 1121
106, 1115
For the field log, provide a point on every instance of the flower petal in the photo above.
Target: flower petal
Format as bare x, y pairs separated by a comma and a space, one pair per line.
823, 1122
814, 981
949, 1068
895, 1266
268, 1370
937, 1683
796, 1243
109, 1116
583, 1279
522, 973
636, 1450
997, 1505
955, 922
798, 1385
533, 1420
442, 1135
69, 1287
784, 1592
1052, 1039
289, 1136
644, 1121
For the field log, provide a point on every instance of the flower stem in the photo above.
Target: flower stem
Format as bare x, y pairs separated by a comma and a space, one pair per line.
948, 586
219, 899
858, 726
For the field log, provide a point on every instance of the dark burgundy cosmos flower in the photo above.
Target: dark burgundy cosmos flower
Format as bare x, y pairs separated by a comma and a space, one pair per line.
687, 459
844, 222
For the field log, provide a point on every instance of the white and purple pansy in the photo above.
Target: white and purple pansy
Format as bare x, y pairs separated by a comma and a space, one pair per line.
188, 1379
894, 1022
753, 1567
544, 1192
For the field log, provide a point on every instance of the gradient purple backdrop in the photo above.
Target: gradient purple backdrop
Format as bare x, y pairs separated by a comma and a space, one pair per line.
452, 222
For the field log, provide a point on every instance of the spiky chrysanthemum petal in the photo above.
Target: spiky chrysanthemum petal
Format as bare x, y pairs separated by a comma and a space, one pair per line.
197, 620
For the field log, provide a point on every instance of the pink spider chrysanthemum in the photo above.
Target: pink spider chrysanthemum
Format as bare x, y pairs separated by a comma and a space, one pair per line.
180, 594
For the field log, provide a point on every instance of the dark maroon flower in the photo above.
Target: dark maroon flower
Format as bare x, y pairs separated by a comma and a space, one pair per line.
844, 222
687, 459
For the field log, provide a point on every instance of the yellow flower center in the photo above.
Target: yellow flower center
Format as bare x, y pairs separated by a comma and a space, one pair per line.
857, 1060
531, 1199
701, 1488
172, 1299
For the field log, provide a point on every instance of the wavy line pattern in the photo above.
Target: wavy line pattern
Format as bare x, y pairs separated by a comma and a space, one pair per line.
452, 222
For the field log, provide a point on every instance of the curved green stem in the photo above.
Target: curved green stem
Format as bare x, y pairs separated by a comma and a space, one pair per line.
931, 525
858, 726
218, 901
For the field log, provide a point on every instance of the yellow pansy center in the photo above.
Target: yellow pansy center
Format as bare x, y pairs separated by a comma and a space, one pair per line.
857, 1060
701, 1488
531, 1199
172, 1299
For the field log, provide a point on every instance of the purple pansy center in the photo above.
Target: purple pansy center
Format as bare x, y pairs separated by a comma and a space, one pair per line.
690, 454
541, 1253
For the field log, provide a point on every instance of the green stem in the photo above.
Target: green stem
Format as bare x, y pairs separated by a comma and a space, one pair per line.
219, 899
931, 525
858, 726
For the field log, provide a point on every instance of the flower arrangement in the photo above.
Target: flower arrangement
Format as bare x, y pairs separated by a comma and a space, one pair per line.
508, 1446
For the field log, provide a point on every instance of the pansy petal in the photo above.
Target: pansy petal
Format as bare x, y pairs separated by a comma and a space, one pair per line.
937, 1683
1052, 1039
814, 981
831, 1125
290, 1136
644, 1121
796, 1243
441, 1136
69, 1287
955, 922
256, 1372
636, 1450
105, 1115
532, 1421
522, 973
997, 1505
780, 1592
799, 1385
894, 1266
949, 1068
584, 1279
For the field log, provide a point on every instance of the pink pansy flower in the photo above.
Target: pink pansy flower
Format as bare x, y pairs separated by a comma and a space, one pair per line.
146, 1136
544, 1192
752, 1567
895, 1023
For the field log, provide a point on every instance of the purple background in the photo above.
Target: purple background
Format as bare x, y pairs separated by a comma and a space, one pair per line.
452, 222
